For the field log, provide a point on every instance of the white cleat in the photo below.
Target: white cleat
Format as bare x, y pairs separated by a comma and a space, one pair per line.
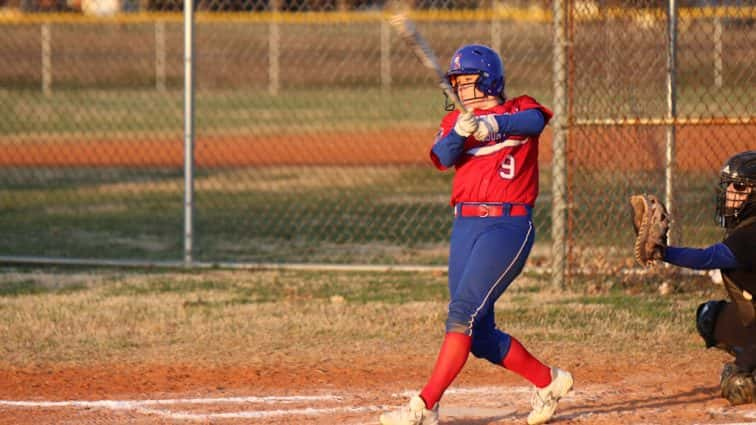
414, 414
545, 399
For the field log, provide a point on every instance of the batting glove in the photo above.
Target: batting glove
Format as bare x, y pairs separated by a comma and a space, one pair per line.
487, 128
466, 124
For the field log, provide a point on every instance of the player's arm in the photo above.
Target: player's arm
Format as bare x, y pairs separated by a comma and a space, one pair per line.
448, 148
525, 123
530, 122
717, 256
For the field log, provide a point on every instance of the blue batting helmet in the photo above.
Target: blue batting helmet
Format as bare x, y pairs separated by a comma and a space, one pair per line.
481, 60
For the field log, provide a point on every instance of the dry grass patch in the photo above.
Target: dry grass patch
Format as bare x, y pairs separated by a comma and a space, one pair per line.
257, 317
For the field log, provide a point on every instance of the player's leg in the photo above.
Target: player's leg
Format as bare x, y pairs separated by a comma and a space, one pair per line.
504, 350
496, 257
464, 234
720, 325
485, 256
491, 343
497, 252
498, 347
455, 348
729, 330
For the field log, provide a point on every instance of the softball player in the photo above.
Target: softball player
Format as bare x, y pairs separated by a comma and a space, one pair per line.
731, 325
494, 150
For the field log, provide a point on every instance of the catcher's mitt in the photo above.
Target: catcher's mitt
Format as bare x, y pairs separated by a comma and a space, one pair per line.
737, 386
651, 223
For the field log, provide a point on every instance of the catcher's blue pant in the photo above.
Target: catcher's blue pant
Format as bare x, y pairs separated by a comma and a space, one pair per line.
486, 255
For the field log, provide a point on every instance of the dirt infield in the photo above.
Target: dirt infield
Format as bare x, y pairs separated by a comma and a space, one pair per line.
698, 148
609, 389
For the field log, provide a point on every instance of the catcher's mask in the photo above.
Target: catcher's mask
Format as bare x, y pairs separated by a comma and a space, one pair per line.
736, 195
477, 59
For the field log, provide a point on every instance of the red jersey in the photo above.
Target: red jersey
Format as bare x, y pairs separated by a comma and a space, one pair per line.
502, 170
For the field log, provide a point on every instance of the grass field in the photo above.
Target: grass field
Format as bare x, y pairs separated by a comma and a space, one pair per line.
54, 316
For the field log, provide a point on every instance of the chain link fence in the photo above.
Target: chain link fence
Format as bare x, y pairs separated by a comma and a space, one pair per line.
645, 118
313, 121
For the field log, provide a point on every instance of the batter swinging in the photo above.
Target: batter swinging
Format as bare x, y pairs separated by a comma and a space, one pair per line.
494, 150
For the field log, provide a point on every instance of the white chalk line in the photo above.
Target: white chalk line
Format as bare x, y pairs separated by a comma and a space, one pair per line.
142, 406
256, 414
149, 407
125, 404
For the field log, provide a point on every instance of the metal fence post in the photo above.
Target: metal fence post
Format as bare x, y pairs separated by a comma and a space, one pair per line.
160, 54
188, 132
274, 46
45, 41
385, 55
495, 26
559, 170
671, 113
718, 49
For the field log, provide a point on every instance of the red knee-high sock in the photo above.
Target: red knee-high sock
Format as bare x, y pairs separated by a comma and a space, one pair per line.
451, 358
520, 361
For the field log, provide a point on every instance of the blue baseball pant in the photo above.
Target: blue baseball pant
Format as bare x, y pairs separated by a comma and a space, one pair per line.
486, 255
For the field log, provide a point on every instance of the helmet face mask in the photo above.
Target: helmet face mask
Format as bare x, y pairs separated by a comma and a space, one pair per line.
480, 60
466, 87
736, 197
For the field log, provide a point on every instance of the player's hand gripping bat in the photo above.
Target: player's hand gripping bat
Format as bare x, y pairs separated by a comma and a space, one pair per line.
407, 30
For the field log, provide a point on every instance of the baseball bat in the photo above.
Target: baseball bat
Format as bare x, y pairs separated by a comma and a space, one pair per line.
407, 30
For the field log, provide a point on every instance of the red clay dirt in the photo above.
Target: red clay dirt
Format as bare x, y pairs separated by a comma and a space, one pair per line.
700, 147
609, 389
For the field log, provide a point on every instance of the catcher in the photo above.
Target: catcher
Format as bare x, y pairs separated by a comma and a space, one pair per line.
726, 324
